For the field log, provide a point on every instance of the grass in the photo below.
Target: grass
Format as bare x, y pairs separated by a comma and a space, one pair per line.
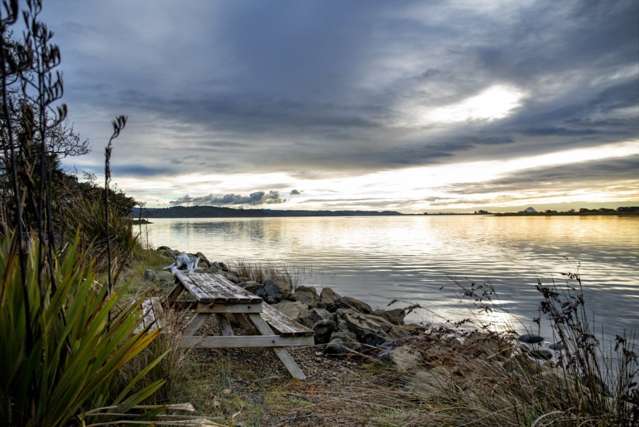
261, 272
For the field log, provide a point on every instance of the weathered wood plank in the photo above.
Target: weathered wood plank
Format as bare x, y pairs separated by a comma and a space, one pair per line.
285, 357
244, 341
214, 288
229, 308
282, 323
195, 324
227, 330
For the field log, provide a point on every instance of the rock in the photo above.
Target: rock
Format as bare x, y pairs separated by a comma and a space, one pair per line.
269, 292
328, 299
395, 316
531, 339
369, 329
323, 330
307, 295
335, 347
284, 287
406, 358
315, 315
150, 275
348, 338
220, 266
231, 276
541, 354
167, 252
354, 303
293, 309
204, 261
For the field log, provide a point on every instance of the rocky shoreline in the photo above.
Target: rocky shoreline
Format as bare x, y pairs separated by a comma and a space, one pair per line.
344, 325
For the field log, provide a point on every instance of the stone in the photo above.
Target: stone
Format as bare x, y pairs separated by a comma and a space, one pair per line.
307, 295
328, 299
293, 309
269, 292
335, 347
165, 278
530, 339
369, 329
395, 316
348, 338
315, 315
204, 261
167, 252
354, 303
323, 330
220, 266
150, 275
405, 358
283, 286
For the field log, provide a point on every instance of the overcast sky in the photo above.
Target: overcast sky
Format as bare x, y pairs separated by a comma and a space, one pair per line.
414, 106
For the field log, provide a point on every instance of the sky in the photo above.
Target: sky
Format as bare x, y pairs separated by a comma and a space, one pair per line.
404, 105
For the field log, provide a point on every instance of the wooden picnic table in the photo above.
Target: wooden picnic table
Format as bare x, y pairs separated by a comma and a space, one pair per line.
216, 297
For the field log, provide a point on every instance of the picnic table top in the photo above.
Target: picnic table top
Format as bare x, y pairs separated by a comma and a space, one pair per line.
211, 288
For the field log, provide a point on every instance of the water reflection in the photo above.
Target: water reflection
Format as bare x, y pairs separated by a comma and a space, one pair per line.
418, 259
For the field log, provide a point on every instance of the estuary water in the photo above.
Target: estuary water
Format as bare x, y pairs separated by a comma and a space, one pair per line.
429, 259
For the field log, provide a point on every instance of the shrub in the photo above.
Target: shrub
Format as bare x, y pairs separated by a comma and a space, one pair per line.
60, 352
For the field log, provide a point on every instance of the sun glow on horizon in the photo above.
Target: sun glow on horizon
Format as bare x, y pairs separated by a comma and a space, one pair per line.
410, 190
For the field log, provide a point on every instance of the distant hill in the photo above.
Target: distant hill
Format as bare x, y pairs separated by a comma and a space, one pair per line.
220, 212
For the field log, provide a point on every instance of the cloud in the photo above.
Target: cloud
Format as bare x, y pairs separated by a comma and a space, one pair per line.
321, 88
255, 198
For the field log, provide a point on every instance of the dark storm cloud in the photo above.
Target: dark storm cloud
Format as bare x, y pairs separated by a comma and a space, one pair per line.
317, 87
255, 198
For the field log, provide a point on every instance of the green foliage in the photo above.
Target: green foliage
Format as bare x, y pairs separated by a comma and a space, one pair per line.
60, 354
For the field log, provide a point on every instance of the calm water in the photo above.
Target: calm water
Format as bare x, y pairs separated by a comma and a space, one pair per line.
419, 259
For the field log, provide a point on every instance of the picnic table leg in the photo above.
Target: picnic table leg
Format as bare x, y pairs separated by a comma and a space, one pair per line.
196, 323
227, 330
281, 353
175, 292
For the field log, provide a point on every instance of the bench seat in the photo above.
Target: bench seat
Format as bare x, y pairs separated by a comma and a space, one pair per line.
152, 314
283, 324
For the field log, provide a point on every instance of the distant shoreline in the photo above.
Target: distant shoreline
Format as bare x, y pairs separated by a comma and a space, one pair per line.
177, 212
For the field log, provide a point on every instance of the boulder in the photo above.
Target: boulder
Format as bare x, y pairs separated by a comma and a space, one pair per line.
328, 299
269, 292
150, 275
220, 266
167, 252
335, 348
204, 261
395, 316
293, 309
406, 358
354, 303
323, 330
307, 295
316, 315
348, 338
283, 286
369, 329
